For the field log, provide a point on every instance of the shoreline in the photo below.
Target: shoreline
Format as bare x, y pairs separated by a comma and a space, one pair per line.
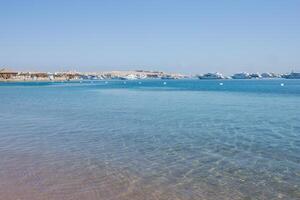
89, 80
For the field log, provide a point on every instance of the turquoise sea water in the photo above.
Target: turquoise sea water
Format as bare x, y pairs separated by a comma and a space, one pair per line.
185, 139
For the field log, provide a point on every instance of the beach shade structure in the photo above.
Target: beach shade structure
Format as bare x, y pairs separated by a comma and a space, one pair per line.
7, 74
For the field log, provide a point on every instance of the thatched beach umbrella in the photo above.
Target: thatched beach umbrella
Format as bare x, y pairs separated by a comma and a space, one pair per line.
7, 74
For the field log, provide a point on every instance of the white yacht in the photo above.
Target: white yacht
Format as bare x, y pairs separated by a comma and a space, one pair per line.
242, 75
255, 75
292, 75
270, 75
211, 76
131, 77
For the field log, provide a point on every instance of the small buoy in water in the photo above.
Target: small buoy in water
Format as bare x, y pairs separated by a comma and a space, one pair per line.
282, 84
140, 83
165, 83
106, 82
124, 82
221, 84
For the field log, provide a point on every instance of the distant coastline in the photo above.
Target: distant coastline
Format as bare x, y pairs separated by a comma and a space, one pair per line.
7, 75
15, 76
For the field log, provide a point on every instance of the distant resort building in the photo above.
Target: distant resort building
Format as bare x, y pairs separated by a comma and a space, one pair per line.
71, 75
39, 75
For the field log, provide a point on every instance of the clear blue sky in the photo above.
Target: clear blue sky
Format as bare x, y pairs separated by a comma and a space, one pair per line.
185, 36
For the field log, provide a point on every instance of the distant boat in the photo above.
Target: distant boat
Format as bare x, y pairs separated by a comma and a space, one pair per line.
142, 76
242, 75
211, 76
266, 75
131, 77
292, 75
255, 75
167, 77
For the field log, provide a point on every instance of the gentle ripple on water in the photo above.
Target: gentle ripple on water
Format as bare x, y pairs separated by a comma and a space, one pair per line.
187, 141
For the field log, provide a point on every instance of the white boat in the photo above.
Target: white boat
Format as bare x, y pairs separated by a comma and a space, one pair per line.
266, 75
269, 75
292, 75
167, 77
211, 76
130, 77
142, 76
255, 75
242, 75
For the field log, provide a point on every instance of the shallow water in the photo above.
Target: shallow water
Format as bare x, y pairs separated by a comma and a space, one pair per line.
186, 139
